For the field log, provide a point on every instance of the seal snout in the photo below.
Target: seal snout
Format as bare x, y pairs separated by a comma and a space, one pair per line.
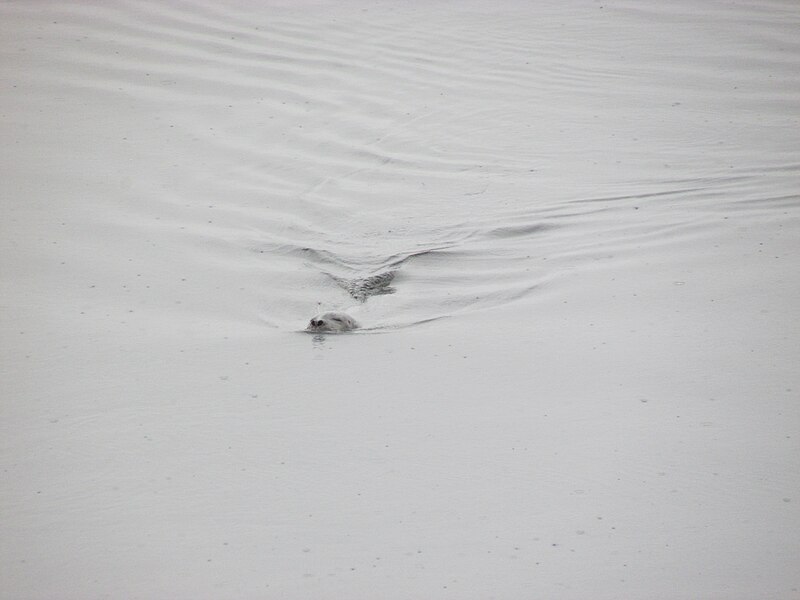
332, 322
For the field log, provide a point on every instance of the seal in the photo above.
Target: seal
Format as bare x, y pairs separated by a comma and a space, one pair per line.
359, 288
331, 322
362, 288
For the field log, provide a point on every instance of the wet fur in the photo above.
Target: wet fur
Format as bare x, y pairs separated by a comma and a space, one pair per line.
331, 322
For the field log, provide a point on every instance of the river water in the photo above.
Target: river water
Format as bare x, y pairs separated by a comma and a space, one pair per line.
584, 383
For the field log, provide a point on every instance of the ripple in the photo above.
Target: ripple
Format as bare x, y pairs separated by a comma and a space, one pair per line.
481, 154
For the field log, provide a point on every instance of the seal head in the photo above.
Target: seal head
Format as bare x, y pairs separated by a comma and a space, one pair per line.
331, 322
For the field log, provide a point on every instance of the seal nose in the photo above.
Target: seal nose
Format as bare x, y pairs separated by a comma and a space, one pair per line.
315, 323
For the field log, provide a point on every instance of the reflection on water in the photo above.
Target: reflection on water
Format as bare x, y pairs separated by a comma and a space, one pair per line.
318, 344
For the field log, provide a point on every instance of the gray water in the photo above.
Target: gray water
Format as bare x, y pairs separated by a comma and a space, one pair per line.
585, 383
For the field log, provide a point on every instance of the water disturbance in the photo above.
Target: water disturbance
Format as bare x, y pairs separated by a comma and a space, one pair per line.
567, 229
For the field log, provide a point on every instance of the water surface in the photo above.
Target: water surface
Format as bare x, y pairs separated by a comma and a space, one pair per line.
586, 381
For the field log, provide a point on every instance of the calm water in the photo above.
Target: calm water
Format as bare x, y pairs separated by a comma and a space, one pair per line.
181, 181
